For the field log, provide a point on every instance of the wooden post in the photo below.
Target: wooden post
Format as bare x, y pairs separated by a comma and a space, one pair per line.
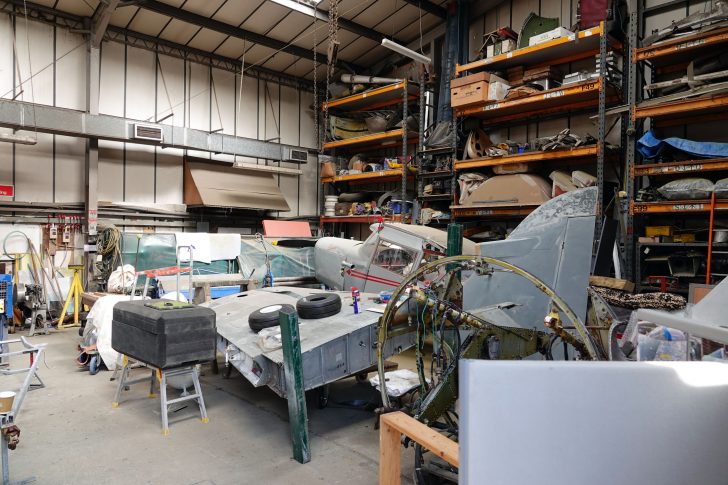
391, 427
389, 454
293, 366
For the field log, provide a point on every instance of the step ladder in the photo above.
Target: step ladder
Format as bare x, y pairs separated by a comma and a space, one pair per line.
160, 376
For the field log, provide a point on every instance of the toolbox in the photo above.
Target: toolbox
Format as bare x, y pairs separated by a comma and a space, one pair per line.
164, 333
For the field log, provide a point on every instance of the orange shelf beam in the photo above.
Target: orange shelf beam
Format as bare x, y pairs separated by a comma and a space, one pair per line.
556, 100
374, 98
367, 219
676, 206
689, 106
584, 42
481, 210
393, 135
681, 168
379, 176
681, 45
530, 157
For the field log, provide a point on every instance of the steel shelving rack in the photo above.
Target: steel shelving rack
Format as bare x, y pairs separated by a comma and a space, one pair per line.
645, 63
579, 97
399, 93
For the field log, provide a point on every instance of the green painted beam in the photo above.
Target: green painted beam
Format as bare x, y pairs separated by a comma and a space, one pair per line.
293, 366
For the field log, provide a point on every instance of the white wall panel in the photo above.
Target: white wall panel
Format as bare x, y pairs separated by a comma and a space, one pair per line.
139, 173
309, 181
70, 82
171, 99
112, 84
111, 171
199, 97
224, 108
6, 57
34, 170
169, 175
140, 84
247, 110
70, 162
35, 55
6, 162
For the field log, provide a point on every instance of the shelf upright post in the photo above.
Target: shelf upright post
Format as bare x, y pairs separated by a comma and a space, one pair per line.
405, 95
601, 126
631, 148
420, 145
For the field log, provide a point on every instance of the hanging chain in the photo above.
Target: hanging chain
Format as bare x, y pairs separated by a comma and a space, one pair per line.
330, 62
315, 88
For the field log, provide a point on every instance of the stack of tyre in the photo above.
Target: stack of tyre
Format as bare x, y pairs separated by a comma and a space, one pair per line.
318, 305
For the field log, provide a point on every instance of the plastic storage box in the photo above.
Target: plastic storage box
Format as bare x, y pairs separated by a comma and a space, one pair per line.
164, 333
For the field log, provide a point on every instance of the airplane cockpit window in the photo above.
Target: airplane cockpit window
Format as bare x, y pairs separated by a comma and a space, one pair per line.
394, 258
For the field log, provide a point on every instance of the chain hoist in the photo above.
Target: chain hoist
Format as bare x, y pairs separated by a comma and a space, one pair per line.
332, 51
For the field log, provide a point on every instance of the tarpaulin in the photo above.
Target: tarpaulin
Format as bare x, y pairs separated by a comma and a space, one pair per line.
652, 147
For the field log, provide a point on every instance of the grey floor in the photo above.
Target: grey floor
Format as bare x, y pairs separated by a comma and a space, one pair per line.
71, 434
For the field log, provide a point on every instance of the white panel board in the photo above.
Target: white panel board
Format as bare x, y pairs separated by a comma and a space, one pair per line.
670, 432
111, 100
111, 171
70, 73
70, 163
6, 162
247, 109
36, 58
223, 108
169, 176
199, 97
6, 57
171, 100
139, 173
34, 170
140, 84
308, 198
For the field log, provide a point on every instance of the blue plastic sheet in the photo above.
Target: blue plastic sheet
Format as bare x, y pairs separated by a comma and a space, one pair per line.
652, 147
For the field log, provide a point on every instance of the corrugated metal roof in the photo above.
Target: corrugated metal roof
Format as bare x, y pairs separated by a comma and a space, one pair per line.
386, 18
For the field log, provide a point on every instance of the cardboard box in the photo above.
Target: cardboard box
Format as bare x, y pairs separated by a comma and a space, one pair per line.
476, 88
497, 90
547, 36
468, 90
683, 238
652, 231
507, 45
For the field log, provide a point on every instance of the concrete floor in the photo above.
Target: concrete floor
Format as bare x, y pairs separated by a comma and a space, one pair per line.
70, 434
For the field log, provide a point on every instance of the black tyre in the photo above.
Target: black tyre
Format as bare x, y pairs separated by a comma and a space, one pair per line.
266, 317
318, 305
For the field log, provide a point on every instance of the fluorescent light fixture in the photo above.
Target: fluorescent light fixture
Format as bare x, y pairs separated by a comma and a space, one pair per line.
267, 168
14, 138
400, 49
306, 7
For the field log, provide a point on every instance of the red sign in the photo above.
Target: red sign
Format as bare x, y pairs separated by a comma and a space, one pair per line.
7, 190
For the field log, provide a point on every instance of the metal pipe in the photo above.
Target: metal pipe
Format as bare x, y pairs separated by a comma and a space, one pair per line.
353, 78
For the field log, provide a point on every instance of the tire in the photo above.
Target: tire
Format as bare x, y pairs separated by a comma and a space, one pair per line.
93, 365
318, 305
266, 317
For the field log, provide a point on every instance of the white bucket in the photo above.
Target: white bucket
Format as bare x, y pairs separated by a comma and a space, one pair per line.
6, 401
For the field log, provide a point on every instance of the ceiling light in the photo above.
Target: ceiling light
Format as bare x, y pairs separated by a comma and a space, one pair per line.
306, 7
400, 49
267, 168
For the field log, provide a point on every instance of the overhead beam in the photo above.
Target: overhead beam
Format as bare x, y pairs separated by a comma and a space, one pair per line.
73, 22
231, 30
100, 20
429, 7
60, 121
345, 24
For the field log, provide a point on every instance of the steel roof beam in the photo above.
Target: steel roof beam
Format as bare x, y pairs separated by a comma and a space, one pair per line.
100, 20
227, 29
345, 24
429, 7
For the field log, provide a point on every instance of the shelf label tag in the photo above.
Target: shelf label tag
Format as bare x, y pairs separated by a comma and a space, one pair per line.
509, 55
587, 33
554, 94
688, 207
491, 106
